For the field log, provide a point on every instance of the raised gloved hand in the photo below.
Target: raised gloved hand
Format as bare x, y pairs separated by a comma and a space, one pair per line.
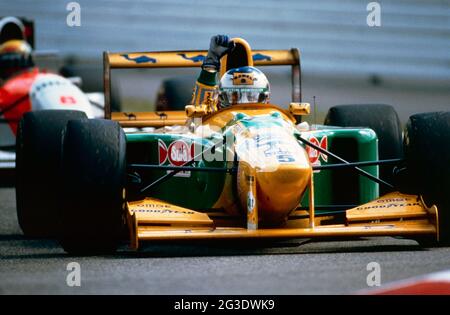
220, 45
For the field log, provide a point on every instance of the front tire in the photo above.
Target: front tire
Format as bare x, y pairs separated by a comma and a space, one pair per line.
93, 166
38, 158
427, 155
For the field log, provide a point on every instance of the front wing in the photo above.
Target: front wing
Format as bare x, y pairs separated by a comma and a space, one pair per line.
394, 214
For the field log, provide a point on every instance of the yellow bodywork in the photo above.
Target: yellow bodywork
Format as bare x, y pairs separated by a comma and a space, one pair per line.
171, 118
172, 59
394, 214
150, 119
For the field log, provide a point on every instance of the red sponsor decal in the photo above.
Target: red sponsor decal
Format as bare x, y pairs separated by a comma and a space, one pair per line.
162, 151
67, 100
313, 154
177, 154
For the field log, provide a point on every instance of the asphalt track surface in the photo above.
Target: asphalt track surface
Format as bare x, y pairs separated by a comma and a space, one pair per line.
38, 266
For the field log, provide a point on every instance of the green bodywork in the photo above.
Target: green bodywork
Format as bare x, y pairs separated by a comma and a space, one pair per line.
346, 186
201, 190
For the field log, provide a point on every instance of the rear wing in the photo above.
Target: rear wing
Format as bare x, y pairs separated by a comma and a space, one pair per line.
194, 58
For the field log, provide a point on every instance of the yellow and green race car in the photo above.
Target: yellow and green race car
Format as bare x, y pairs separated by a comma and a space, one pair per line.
247, 171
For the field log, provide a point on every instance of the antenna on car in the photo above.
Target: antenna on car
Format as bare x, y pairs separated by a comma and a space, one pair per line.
315, 111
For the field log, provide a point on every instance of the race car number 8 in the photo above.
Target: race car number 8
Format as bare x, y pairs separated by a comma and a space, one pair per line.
67, 100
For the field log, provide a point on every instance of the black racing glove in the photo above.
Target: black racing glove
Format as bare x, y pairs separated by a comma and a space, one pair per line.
220, 45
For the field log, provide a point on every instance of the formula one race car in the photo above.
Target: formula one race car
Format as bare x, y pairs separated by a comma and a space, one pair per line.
248, 171
24, 87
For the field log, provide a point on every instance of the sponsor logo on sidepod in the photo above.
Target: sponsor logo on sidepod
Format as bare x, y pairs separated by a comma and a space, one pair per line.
177, 153
313, 154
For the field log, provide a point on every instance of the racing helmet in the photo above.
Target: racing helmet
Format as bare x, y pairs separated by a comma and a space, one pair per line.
243, 85
15, 55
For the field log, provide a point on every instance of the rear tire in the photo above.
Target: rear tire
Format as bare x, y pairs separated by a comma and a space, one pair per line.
382, 119
93, 166
38, 158
427, 155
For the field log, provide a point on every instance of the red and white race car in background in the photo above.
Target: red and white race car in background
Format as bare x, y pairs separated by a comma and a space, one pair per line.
28, 88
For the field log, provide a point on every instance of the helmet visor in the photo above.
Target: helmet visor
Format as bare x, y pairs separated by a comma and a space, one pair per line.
232, 96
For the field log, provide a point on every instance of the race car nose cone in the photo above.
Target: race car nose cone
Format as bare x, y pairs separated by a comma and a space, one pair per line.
271, 157
278, 191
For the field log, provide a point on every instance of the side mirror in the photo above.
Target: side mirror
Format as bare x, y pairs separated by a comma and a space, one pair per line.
299, 109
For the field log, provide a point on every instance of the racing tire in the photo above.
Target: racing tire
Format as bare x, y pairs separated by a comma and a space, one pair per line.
427, 158
93, 189
38, 157
382, 119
